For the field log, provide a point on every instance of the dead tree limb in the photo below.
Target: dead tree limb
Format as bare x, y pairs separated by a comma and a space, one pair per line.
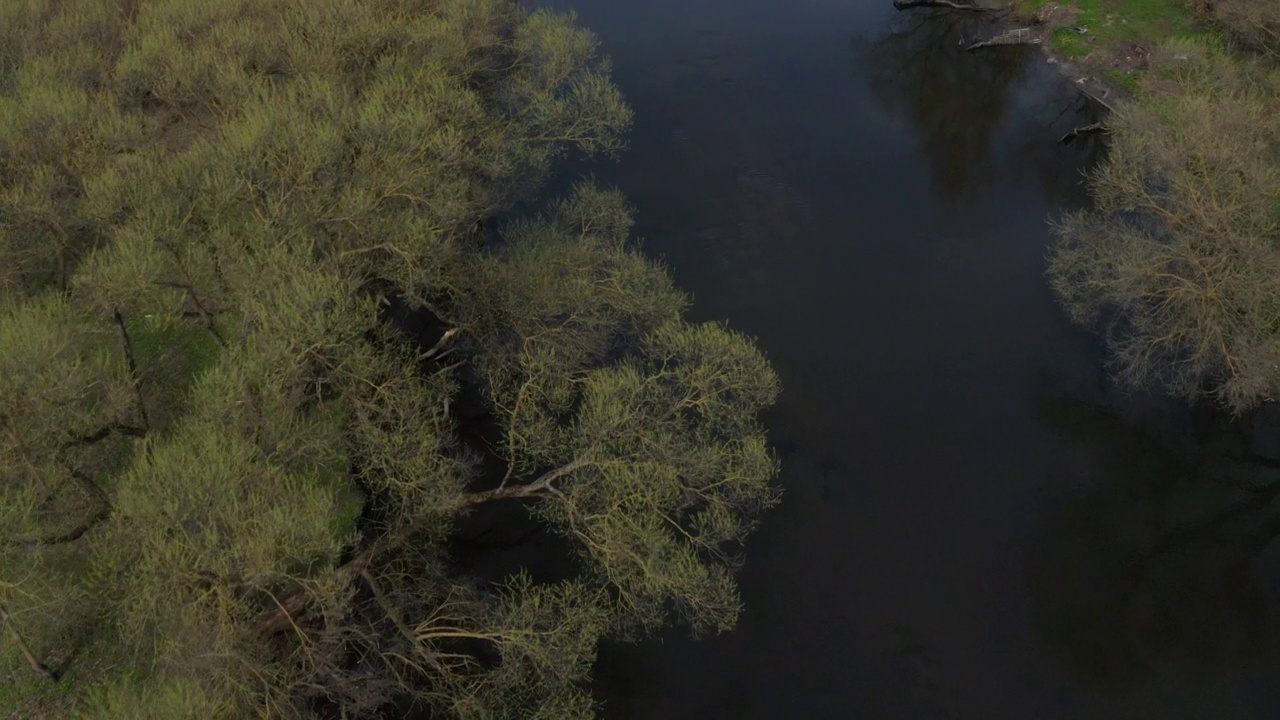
444, 340
908, 4
1083, 130
1090, 96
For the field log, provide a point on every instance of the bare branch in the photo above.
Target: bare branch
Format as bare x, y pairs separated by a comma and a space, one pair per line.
538, 488
34, 662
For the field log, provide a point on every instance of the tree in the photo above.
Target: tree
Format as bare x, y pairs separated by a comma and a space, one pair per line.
1256, 25
1181, 253
955, 103
230, 475
650, 459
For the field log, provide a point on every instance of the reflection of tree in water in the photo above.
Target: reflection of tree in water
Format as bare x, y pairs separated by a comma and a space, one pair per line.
1060, 169
954, 100
1154, 569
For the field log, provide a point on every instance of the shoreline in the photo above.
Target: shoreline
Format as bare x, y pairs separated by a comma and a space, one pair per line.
1101, 48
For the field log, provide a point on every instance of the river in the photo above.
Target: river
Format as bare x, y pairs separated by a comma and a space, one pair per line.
976, 525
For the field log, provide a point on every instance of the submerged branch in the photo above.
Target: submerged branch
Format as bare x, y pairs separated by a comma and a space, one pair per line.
1182, 537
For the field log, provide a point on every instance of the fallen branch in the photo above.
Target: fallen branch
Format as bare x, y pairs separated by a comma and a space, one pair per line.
1020, 36
444, 340
1090, 96
900, 5
289, 612
40, 668
1084, 130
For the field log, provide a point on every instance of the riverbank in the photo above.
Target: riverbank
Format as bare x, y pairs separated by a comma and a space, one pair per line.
1106, 43
1103, 46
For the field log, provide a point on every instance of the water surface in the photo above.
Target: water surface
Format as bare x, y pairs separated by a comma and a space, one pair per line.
969, 520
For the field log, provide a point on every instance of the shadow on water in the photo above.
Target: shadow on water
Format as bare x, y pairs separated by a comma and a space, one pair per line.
1161, 572
957, 103
954, 101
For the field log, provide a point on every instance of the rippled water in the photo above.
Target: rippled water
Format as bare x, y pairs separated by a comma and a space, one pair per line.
975, 525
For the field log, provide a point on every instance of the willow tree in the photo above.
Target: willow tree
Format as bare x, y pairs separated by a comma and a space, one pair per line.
1181, 254
227, 475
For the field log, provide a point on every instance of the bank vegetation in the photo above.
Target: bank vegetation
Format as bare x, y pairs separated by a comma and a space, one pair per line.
1178, 261
264, 365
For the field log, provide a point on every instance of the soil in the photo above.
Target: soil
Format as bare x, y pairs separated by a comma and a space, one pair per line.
1091, 71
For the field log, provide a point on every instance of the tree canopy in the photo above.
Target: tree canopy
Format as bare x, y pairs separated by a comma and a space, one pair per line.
1180, 255
229, 476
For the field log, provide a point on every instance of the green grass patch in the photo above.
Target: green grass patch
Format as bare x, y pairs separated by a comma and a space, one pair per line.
1126, 80
1069, 43
1112, 24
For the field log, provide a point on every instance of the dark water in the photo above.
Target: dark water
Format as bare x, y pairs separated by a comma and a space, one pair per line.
975, 524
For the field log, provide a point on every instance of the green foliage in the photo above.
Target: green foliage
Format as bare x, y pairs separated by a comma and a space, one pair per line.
561, 296
544, 636
173, 353
1113, 25
642, 425
662, 464
57, 386
1182, 250
225, 469
174, 699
